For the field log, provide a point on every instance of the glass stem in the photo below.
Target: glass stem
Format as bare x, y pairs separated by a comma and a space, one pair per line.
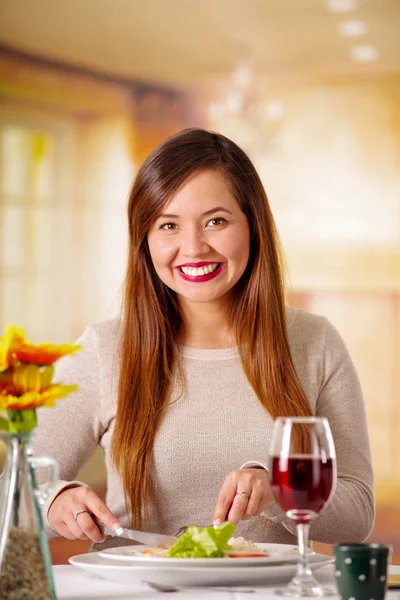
303, 567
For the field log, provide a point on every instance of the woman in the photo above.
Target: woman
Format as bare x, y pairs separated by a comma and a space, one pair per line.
182, 391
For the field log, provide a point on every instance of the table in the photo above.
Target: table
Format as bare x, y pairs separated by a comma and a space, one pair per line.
74, 584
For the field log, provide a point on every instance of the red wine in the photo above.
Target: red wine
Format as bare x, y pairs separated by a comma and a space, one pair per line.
301, 484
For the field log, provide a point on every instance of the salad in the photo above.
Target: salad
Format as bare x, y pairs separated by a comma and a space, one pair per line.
209, 542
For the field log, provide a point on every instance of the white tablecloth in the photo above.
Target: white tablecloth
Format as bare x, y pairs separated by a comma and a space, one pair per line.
74, 584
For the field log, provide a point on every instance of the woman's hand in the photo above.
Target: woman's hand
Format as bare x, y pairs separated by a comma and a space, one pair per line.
244, 494
73, 511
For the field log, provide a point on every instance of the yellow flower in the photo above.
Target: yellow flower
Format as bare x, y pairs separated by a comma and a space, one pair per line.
35, 399
26, 375
29, 386
14, 348
25, 378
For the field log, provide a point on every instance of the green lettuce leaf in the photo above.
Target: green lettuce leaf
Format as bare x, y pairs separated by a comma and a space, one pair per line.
203, 542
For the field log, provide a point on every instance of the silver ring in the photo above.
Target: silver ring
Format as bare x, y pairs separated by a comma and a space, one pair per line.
78, 512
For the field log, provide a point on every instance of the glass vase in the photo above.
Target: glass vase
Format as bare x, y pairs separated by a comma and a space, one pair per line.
25, 564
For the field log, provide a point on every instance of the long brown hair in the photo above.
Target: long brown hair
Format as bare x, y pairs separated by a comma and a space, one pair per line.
151, 321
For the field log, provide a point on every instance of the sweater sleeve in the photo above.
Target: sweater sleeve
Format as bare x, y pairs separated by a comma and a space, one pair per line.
70, 431
350, 514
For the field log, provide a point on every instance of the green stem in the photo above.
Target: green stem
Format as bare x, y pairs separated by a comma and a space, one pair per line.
4, 425
21, 421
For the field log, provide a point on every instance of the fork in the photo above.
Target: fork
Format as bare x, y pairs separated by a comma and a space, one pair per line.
183, 529
162, 587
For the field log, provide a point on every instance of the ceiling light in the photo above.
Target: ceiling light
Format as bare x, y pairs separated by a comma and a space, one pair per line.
274, 110
352, 28
235, 101
341, 6
364, 53
242, 75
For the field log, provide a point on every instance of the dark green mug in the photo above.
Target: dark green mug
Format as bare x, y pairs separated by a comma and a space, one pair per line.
361, 570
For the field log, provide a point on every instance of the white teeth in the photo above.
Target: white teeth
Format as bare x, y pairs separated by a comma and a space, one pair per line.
193, 272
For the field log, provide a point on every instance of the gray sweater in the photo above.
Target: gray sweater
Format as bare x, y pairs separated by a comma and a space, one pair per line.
214, 428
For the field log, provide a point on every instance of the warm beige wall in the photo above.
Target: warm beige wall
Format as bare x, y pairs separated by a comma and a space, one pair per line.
331, 169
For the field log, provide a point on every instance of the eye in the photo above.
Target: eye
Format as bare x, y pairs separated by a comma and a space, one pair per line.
168, 226
217, 221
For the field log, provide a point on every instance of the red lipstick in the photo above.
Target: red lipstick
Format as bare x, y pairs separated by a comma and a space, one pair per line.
199, 278
197, 265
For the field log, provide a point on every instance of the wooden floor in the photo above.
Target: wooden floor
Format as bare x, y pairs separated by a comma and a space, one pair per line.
386, 531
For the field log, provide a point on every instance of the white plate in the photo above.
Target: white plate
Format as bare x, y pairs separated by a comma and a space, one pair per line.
277, 554
128, 573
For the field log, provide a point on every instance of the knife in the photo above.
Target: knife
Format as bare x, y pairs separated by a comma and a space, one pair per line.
143, 537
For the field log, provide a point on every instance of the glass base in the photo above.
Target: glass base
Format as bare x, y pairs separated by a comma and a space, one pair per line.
305, 586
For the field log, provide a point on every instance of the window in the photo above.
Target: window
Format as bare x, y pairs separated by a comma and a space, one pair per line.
36, 218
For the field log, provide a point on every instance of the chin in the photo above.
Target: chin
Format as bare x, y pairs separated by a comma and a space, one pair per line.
201, 298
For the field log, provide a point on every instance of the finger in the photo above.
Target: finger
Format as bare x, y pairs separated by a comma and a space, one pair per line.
224, 502
62, 528
87, 526
238, 508
100, 510
75, 528
253, 504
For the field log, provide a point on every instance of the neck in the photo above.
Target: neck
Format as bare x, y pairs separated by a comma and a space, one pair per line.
206, 325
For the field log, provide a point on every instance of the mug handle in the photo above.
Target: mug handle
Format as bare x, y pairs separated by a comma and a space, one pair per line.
51, 465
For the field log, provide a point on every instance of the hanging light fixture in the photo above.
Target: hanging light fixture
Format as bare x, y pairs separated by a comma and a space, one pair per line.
240, 112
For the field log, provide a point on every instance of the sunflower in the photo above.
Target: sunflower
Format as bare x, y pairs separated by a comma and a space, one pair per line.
26, 378
14, 348
30, 400
30, 386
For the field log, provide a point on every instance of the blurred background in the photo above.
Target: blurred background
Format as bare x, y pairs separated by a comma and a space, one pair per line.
309, 88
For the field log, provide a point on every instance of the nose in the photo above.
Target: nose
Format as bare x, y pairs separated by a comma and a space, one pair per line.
194, 243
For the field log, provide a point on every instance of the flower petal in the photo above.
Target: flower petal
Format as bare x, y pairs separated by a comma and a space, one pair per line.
12, 336
25, 378
30, 378
35, 399
15, 348
42, 354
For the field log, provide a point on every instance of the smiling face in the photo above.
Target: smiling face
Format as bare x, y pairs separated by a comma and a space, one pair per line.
200, 243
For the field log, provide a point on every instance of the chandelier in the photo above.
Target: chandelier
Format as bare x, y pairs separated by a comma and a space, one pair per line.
243, 113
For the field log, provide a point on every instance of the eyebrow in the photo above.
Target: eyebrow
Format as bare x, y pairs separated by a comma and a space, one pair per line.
205, 214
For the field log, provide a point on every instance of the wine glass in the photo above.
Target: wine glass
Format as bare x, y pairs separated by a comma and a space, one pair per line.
303, 479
